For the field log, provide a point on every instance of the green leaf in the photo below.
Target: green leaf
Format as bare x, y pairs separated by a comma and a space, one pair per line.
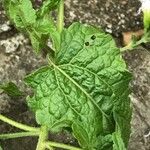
122, 110
20, 12
38, 41
85, 88
106, 142
48, 5
42, 30
81, 134
45, 25
118, 142
11, 89
38, 28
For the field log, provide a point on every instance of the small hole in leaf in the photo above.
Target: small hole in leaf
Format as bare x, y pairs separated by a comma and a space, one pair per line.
93, 37
87, 43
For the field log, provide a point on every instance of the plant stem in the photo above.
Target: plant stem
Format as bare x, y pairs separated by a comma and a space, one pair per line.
132, 45
18, 125
60, 18
59, 145
17, 135
42, 138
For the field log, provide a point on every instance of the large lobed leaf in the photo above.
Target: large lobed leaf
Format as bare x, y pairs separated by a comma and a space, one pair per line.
85, 88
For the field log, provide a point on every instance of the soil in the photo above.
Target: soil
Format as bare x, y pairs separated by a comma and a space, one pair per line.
17, 60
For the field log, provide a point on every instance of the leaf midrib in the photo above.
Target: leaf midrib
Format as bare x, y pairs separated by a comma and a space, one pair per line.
77, 85
91, 73
65, 94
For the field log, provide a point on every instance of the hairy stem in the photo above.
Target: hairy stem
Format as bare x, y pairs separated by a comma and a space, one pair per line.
18, 135
59, 145
18, 125
60, 18
42, 138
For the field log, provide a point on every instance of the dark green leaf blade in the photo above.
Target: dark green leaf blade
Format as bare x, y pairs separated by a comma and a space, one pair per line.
11, 89
83, 87
109, 67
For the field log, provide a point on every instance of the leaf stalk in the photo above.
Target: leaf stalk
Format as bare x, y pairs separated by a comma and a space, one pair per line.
60, 145
18, 125
18, 135
42, 138
60, 17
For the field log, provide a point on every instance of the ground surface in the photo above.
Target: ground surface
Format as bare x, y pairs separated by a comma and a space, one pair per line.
17, 60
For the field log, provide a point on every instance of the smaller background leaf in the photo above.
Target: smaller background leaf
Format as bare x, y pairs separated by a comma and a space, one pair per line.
11, 89
42, 30
77, 129
118, 142
48, 5
21, 13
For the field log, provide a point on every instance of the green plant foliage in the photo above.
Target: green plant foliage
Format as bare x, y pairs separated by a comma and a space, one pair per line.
38, 28
118, 142
85, 87
20, 12
48, 5
11, 89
